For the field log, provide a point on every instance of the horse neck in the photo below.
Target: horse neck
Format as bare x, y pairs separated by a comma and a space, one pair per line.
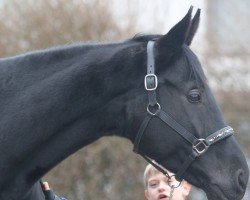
66, 99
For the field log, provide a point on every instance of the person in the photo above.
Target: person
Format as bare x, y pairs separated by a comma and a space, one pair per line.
158, 186
48, 193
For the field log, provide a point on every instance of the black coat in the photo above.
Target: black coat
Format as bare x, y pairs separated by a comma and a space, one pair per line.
37, 193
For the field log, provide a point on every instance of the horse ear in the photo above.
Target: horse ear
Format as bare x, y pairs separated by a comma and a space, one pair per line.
193, 28
176, 37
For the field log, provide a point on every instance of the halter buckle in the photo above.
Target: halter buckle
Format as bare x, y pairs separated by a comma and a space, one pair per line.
150, 82
200, 147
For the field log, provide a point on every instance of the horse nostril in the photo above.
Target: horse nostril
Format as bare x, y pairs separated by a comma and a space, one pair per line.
241, 180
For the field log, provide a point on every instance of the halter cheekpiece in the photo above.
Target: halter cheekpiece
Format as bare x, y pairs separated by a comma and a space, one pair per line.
199, 146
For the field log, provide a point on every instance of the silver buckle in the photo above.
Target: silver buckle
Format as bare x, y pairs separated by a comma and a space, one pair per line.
200, 147
148, 86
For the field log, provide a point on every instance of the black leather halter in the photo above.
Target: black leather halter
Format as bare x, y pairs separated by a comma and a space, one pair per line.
199, 146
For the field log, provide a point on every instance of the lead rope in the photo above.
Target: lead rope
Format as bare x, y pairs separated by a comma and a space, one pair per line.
171, 192
172, 188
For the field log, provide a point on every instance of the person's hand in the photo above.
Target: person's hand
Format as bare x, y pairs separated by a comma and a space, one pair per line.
49, 195
46, 186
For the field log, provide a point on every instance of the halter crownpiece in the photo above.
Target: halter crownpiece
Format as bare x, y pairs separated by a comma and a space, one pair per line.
199, 146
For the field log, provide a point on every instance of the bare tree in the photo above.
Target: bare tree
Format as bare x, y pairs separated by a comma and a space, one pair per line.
106, 169
34, 24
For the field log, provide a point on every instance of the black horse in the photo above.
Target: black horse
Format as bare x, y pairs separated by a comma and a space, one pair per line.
56, 101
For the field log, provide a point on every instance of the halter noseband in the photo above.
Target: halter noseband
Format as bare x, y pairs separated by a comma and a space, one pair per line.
199, 146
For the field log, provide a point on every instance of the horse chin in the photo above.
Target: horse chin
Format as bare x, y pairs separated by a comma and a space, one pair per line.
214, 192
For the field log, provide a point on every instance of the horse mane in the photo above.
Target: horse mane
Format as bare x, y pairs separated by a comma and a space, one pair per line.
140, 37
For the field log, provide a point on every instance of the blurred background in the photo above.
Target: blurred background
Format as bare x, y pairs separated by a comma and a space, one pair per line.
108, 169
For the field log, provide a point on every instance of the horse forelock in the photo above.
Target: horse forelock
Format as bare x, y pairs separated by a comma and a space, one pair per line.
196, 70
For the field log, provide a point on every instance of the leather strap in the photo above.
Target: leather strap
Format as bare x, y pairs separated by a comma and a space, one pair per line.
185, 165
150, 58
219, 135
151, 81
142, 128
205, 144
157, 166
177, 127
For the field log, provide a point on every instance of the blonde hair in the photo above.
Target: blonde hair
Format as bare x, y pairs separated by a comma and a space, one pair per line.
149, 171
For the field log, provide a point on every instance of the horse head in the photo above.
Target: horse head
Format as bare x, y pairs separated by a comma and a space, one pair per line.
183, 129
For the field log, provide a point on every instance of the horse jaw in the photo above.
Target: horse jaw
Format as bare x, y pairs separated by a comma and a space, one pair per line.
214, 192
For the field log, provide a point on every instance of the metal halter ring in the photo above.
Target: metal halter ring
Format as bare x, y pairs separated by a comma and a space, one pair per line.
157, 110
175, 186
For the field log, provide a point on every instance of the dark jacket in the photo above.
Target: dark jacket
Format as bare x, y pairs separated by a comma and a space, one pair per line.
37, 193
50, 195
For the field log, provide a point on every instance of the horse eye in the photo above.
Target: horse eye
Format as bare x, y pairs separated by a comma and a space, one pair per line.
194, 96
